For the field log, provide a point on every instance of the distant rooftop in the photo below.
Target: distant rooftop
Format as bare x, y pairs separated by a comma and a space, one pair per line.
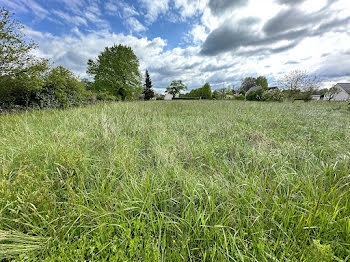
345, 86
254, 88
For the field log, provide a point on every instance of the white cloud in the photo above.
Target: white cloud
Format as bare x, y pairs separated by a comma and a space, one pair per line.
154, 9
135, 25
74, 20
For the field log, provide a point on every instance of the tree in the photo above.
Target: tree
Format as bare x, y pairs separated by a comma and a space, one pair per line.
262, 81
222, 92
176, 87
297, 81
206, 91
247, 83
116, 71
332, 92
15, 56
20, 72
148, 91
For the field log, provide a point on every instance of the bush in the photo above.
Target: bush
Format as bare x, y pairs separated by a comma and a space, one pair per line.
272, 95
186, 98
57, 88
255, 95
239, 97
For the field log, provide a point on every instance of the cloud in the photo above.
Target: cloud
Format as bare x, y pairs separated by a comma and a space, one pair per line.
289, 19
27, 6
333, 67
228, 37
219, 7
74, 20
154, 9
135, 25
244, 37
290, 2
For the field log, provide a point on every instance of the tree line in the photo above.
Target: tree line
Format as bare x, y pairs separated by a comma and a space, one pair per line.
27, 81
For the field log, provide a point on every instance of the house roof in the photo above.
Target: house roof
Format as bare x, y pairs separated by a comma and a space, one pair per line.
345, 86
254, 88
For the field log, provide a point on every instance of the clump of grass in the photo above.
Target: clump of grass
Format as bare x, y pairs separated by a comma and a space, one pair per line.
14, 243
181, 180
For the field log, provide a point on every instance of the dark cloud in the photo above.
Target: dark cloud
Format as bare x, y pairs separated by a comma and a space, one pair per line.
291, 62
217, 7
290, 2
289, 24
332, 68
227, 38
289, 19
214, 67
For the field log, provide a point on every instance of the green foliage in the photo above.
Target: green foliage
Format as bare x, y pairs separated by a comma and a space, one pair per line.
247, 83
217, 181
239, 97
204, 92
116, 71
272, 95
67, 90
256, 95
15, 56
250, 82
176, 87
262, 81
148, 91
332, 92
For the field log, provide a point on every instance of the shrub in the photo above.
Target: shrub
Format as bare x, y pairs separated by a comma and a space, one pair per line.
239, 97
255, 95
272, 95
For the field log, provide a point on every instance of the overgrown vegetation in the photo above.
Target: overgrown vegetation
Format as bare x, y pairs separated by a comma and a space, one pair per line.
215, 181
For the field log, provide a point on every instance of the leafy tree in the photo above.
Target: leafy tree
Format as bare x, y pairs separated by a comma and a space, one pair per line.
176, 87
116, 71
262, 81
332, 92
148, 91
247, 83
206, 91
15, 56
20, 72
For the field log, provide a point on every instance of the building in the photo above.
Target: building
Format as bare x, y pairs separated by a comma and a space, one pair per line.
317, 95
254, 88
344, 92
170, 97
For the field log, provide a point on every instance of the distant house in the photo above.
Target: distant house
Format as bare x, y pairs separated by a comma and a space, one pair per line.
273, 88
254, 88
343, 95
170, 97
317, 95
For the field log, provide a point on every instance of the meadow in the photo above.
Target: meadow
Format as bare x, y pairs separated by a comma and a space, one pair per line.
176, 181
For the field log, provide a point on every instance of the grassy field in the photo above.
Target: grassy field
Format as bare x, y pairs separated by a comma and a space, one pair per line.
176, 181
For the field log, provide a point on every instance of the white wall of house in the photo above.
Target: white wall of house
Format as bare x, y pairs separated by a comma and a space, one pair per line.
168, 97
341, 96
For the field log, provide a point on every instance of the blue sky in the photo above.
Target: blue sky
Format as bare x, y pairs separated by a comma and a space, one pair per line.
197, 41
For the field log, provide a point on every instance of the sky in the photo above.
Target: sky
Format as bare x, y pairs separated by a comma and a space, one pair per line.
197, 41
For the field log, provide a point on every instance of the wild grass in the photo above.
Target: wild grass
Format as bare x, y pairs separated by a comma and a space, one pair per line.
177, 181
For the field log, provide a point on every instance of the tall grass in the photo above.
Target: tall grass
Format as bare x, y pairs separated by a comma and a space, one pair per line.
175, 181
